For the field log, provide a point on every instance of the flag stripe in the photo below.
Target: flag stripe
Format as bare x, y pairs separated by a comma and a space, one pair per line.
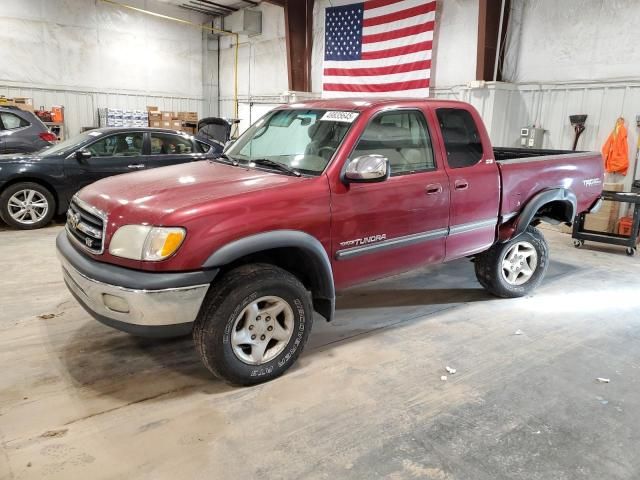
406, 41
408, 22
392, 7
397, 16
377, 88
403, 32
381, 79
392, 52
370, 72
415, 93
370, 4
409, 58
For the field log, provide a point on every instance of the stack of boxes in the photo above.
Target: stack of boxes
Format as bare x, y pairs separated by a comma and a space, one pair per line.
23, 103
183, 121
117, 117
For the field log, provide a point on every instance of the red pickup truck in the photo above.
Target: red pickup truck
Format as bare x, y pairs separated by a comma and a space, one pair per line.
314, 197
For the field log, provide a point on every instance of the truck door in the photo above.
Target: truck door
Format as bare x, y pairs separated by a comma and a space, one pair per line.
473, 181
399, 223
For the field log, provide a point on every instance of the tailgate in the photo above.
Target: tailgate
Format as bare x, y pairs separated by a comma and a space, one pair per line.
521, 179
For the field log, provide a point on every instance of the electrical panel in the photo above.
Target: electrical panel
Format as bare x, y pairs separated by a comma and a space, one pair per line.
531, 137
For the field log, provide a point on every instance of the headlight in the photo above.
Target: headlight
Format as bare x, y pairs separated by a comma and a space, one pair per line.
141, 242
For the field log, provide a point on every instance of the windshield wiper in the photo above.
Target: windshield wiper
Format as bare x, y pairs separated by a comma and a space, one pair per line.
280, 166
224, 158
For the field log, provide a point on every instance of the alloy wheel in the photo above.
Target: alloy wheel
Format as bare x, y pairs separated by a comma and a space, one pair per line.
28, 206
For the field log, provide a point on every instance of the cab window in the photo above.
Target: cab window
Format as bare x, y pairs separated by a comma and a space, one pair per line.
402, 137
461, 138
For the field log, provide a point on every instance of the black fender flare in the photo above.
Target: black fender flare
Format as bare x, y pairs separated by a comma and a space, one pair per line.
323, 291
524, 219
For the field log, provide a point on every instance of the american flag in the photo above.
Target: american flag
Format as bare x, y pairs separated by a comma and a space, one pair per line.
378, 47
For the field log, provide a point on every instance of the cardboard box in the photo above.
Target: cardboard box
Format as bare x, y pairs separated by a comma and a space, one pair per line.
155, 117
189, 130
176, 124
188, 116
165, 124
166, 115
152, 108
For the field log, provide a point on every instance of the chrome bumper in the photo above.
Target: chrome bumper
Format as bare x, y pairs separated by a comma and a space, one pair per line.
145, 308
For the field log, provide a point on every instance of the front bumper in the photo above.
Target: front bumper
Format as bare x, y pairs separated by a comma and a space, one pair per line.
141, 303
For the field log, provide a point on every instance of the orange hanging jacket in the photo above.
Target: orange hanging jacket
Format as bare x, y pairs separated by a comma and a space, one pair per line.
616, 151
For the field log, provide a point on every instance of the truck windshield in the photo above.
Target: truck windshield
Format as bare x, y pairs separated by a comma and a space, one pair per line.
304, 140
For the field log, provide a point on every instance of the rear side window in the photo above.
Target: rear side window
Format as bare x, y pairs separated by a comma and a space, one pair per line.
402, 137
461, 137
11, 121
168, 144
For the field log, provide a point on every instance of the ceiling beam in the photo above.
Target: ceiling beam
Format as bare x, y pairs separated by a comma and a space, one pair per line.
298, 16
218, 6
488, 32
199, 10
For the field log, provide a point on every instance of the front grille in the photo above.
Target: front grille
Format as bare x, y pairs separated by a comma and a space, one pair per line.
86, 225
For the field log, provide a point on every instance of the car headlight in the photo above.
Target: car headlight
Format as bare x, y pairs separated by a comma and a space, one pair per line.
142, 242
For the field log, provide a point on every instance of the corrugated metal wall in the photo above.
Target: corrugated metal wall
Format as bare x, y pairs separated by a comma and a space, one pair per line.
506, 108
81, 108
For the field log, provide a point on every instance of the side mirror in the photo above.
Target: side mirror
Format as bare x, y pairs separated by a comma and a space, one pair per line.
83, 155
368, 168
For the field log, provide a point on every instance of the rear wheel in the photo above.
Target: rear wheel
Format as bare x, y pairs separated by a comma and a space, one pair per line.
515, 268
27, 205
253, 324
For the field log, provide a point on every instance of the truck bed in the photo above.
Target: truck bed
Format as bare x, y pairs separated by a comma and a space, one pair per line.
503, 154
527, 172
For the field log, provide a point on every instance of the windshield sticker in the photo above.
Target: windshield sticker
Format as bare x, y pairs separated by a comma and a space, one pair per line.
334, 116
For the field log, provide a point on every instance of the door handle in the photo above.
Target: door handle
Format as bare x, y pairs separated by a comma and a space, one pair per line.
461, 184
434, 189
136, 166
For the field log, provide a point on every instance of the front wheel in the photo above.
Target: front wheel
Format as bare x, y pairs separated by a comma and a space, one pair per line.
253, 324
515, 268
27, 206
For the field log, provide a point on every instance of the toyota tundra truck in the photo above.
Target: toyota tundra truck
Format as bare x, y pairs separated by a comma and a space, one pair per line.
242, 251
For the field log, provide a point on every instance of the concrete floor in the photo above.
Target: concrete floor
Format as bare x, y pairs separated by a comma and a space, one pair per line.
365, 400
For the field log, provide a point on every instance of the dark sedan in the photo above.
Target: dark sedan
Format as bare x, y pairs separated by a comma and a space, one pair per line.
35, 187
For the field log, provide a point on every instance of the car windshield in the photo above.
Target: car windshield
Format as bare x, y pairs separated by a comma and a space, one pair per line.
68, 146
304, 140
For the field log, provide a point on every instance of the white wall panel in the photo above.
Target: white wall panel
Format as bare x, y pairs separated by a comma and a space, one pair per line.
85, 54
573, 40
506, 108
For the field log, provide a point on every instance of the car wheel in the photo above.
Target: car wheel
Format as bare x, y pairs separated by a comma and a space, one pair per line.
27, 205
253, 324
515, 268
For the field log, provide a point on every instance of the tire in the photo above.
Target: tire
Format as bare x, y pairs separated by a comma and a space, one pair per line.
495, 279
226, 319
40, 217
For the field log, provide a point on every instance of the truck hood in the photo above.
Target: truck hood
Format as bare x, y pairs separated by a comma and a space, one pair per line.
152, 195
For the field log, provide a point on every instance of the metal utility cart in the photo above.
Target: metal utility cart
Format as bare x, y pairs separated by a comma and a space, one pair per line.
579, 234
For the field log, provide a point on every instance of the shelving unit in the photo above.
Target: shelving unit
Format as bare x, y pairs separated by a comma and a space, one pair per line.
57, 128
